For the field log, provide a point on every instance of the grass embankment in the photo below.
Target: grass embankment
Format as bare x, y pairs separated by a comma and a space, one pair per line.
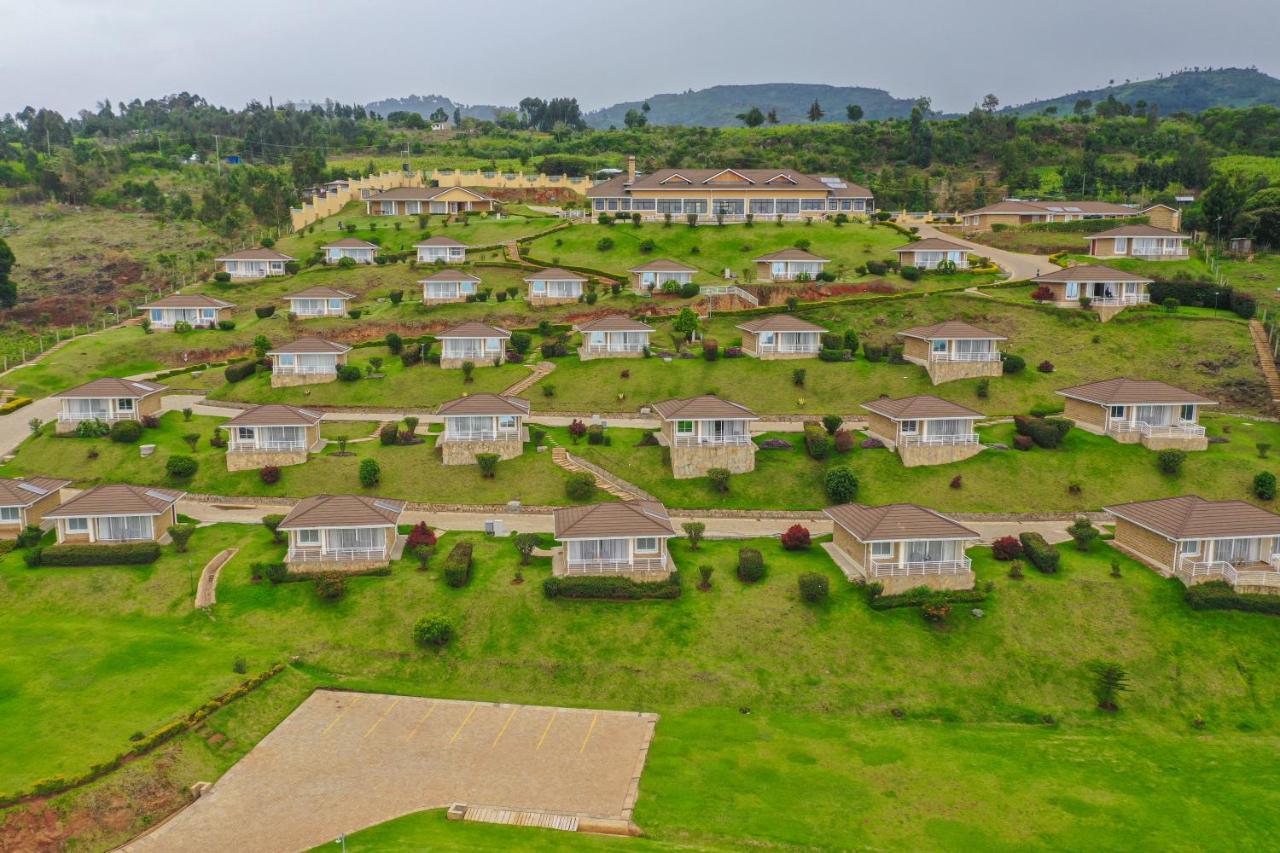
842, 713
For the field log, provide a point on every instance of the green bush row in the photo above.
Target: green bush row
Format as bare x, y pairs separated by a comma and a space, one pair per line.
611, 588
76, 554
1039, 552
917, 596
1218, 595
457, 566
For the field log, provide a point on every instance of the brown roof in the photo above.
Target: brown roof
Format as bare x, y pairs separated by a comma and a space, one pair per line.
485, 404
601, 521
705, 407
758, 179
342, 511
1133, 391
920, 407
951, 330
350, 243
1091, 272
261, 253
449, 275
555, 274
321, 292
112, 387
614, 323
779, 323
1097, 208
311, 345
24, 491
934, 244
663, 265
117, 499
790, 254
188, 300
274, 414
1136, 231
440, 241
896, 522
1193, 517
473, 330
419, 194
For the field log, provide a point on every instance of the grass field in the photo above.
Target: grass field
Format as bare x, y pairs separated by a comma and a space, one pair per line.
785, 743
411, 472
993, 481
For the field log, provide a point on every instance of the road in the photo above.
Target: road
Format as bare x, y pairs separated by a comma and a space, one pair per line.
1016, 264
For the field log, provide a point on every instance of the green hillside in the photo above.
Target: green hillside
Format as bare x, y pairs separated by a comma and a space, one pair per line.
1186, 91
719, 106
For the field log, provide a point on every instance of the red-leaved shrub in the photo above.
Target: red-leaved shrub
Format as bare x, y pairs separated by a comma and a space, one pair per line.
420, 535
270, 474
1006, 548
796, 538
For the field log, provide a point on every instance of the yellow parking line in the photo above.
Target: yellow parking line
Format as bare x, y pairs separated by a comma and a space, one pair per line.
429, 712
503, 730
383, 717
594, 719
342, 714
547, 729
463, 724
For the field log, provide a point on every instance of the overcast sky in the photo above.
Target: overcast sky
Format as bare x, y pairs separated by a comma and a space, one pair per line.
69, 54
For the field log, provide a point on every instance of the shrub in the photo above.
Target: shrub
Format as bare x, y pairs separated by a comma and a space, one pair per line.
457, 566
536, 435
181, 536
851, 341
711, 349
1022, 442
29, 537
272, 523
126, 432
694, 530
1263, 449
704, 577
1109, 681
355, 313
580, 486
1218, 595
611, 588
1264, 486
421, 535
816, 441
796, 538
396, 297
983, 389
689, 289
1013, 363
240, 370
1083, 532
813, 587
226, 325
411, 356
330, 586
1170, 461
910, 273
525, 543
831, 423
719, 479
181, 467
577, 429
798, 376
394, 343
841, 484
222, 277
77, 554
370, 473
1045, 367
269, 474
1040, 553
844, 440
434, 630
750, 565
1006, 548
348, 372
388, 435
488, 463
1045, 432
875, 267
1043, 293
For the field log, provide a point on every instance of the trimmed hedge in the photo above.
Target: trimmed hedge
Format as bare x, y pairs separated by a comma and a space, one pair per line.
14, 404
750, 565
76, 554
1040, 553
457, 566
611, 588
918, 596
1218, 595
240, 370
1203, 293
1045, 432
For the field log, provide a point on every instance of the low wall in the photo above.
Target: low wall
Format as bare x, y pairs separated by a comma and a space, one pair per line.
465, 452
506, 180
696, 461
333, 202
245, 460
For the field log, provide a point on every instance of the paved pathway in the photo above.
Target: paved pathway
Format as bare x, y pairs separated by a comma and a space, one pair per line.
14, 427
207, 590
1019, 266
344, 761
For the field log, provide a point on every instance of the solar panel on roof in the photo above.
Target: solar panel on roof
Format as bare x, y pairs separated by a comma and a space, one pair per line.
388, 507
141, 386
28, 487
160, 496
1055, 209
308, 413
1074, 209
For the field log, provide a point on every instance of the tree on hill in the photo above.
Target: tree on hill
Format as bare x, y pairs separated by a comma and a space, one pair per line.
307, 167
990, 103
752, 117
772, 117
440, 115
1083, 106
8, 290
853, 112
635, 118
457, 117
815, 111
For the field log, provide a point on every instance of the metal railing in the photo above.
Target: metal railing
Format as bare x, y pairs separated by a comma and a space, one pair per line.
711, 441
481, 435
940, 440
728, 290
438, 297
882, 569
470, 353
68, 417
607, 348
334, 555
1160, 253
993, 355
1122, 299
635, 564
1182, 429
274, 446
303, 369
1237, 575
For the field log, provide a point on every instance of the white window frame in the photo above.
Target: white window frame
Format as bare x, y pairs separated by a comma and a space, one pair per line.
911, 427
77, 524
1073, 290
642, 548
881, 549
681, 430
10, 514
309, 538
1121, 246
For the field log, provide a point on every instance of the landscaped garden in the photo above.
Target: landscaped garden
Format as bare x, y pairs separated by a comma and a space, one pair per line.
780, 720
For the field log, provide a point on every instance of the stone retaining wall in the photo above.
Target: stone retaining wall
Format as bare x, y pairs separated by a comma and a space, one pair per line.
696, 461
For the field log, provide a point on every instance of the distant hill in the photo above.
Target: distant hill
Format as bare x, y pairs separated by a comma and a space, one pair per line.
1185, 91
425, 105
719, 106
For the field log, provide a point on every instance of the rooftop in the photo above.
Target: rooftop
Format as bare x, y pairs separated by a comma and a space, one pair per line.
599, 521
705, 407
896, 522
1133, 391
117, 499
920, 407
342, 511
1191, 517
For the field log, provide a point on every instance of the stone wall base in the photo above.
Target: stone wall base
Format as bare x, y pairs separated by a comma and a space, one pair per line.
913, 455
690, 462
341, 566
456, 363
245, 460
780, 356
1106, 312
950, 371
289, 380
899, 584
551, 300
464, 452
1166, 442
584, 355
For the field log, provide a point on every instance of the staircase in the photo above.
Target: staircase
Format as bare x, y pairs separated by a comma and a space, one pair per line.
536, 373
512, 250
1265, 357
617, 488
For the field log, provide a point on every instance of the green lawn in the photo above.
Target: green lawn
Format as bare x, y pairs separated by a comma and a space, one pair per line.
993, 481
783, 743
411, 472
717, 248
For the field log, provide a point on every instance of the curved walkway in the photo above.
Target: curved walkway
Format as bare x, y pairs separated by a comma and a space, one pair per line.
1019, 266
207, 589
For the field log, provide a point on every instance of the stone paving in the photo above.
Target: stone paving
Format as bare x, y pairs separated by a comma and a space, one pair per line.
344, 761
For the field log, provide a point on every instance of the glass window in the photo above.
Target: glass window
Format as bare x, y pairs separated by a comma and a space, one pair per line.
684, 427
126, 527
77, 525
507, 422
10, 513
335, 304
646, 545
787, 205
882, 549
245, 433
910, 427
157, 315
1073, 290
539, 287
599, 204
1117, 413
643, 204
124, 404
812, 203
1188, 412
1122, 245
940, 345
1190, 546
308, 537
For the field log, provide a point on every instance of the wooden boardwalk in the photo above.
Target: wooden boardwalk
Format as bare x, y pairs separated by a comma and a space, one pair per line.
1267, 359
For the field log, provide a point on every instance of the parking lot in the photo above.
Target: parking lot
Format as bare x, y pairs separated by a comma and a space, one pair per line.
344, 761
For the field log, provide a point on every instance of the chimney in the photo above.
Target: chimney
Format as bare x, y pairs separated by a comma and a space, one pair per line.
631, 168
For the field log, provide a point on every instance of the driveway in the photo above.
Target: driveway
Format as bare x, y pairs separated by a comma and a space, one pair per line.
345, 761
1017, 265
15, 426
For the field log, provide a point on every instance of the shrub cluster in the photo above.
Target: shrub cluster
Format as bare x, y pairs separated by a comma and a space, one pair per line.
240, 370
1040, 553
609, 587
580, 486
434, 630
1218, 595
78, 554
1045, 432
841, 484
1006, 548
750, 565
920, 596
796, 538
816, 441
457, 566
813, 587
